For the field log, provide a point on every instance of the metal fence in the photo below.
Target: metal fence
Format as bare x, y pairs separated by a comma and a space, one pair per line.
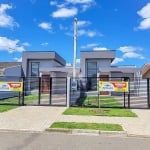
36, 91
80, 92
87, 94
4, 94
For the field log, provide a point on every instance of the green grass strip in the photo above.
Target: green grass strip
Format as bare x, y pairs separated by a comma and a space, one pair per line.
118, 112
12, 103
92, 126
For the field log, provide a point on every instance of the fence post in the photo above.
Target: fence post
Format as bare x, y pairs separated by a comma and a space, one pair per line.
129, 93
124, 100
68, 91
39, 94
23, 90
50, 91
19, 103
148, 93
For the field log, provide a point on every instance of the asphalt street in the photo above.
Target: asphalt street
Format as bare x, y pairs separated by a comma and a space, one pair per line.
17, 140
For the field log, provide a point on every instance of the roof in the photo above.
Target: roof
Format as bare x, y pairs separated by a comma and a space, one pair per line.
103, 54
9, 64
127, 69
43, 55
145, 69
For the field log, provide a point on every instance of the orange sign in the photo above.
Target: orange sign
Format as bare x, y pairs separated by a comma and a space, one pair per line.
11, 86
116, 86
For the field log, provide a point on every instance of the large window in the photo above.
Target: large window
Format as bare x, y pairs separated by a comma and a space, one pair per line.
91, 69
92, 75
35, 69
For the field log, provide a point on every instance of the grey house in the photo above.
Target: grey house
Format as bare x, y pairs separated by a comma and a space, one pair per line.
44, 64
97, 64
94, 66
35, 64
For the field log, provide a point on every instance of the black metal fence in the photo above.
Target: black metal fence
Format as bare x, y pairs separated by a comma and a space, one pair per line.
36, 91
87, 93
84, 92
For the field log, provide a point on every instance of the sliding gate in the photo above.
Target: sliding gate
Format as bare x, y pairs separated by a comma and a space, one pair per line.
45, 90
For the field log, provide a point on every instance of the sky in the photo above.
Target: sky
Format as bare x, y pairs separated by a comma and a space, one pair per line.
48, 25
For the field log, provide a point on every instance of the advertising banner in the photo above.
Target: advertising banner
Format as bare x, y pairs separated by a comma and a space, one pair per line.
11, 86
116, 86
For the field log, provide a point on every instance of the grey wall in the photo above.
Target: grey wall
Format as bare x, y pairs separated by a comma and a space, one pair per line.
51, 55
103, 58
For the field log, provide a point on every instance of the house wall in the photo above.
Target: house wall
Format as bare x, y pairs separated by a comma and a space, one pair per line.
120, 74
43, 64
103, 58
100, 63
52, 56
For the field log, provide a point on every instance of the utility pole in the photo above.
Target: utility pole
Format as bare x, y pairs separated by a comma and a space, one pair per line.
75, 48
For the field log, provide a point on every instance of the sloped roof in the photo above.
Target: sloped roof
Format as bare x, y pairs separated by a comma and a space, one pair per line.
146, 69
9, 64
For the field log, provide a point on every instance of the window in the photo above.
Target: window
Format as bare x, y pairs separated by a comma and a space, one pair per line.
35, 69
91, 69
92, 75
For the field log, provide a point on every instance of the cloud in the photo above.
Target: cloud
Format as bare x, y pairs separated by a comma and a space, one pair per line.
44, 44
100, 48
68, 64
89, 45
18, 59
88, 33
10, 45
53, 3
82, 23
46, 26
133, 55
145, 14
80, 1
6, 20
77, 61
117, 60
61, 27
131, 52
126, 49
68, 8
65, 12
25, 44
84, 4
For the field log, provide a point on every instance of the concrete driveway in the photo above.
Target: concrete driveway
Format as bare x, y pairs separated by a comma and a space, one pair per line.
30, 118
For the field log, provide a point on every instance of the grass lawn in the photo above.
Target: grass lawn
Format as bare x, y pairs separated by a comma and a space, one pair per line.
12, 103
118, 112
102, 101
93, 126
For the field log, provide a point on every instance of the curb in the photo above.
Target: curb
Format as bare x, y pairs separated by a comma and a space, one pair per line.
86, 132
139, 135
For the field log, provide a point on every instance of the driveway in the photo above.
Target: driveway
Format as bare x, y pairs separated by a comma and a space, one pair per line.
30, 118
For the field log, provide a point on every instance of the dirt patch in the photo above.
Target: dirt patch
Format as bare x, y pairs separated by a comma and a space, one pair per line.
99, 111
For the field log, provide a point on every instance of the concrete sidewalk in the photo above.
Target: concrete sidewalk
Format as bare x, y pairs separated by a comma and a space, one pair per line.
30, 118
134, 126
39, 118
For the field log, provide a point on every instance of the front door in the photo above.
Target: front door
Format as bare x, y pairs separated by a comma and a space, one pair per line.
45, 84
